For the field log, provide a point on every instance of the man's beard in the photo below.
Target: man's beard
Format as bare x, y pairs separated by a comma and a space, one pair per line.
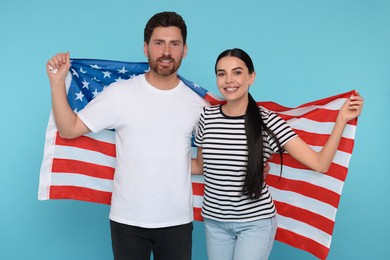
161, 70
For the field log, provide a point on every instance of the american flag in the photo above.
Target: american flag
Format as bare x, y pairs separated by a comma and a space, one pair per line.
306, 201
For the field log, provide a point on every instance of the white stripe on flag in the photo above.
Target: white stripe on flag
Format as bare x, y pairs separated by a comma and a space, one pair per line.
197, 201
79, 180
74, 153
197, 178
305, 230
315, 127
340, 158
103, 136
333, 105
304, 202
48, 155
309, 176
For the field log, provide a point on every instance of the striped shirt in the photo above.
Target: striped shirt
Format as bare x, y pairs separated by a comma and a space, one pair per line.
224, 151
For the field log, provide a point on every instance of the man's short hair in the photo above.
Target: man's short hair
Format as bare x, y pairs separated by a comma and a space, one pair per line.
165, 19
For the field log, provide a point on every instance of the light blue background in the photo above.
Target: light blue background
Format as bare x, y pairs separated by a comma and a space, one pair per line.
303, 50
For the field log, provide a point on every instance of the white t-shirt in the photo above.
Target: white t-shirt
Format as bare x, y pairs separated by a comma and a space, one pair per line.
153, 129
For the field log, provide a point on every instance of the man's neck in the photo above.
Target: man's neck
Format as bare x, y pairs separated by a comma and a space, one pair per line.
162, 82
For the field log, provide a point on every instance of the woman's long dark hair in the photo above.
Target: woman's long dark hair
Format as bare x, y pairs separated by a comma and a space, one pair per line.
254, 127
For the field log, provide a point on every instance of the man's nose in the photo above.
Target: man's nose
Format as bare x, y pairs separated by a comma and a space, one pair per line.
167, 50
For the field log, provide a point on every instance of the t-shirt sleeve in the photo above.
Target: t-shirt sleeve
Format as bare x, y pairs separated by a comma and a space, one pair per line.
282, 131
198, 141
100, 113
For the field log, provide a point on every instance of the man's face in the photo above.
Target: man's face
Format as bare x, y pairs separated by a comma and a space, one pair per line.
165, 50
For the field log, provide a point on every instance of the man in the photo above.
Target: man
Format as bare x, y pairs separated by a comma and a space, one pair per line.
154, 116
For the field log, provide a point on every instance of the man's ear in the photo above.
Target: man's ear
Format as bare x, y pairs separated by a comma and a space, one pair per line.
185, 50
146, 52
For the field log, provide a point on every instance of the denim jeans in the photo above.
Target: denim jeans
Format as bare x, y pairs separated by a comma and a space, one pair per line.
136, 243
251, 240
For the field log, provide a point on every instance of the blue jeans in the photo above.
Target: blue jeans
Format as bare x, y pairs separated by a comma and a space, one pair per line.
251, 240
136, 243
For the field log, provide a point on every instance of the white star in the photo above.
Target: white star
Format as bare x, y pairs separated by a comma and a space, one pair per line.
195, 85
95, 67
85, 84
132, 76
82, 71
75, 110
79, 96
119, 79
107, 74
95, 93
147, 69
95, 79
74, 73
123, 70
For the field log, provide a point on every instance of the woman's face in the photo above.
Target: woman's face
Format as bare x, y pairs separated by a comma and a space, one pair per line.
233, 78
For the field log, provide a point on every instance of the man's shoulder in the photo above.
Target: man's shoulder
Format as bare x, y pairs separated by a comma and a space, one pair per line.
124, 83
193, 94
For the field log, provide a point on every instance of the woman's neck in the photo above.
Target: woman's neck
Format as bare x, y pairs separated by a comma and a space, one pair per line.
235, 108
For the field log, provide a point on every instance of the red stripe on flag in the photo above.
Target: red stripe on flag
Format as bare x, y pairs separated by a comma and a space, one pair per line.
85, 168
318, 115
336, 171
198, 189
213, 101
324, 101
301, 242
197, 214
88, 143
304, 188
346, 145
306, 216
80, 193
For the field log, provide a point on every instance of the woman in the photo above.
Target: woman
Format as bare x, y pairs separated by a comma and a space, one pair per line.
234, 141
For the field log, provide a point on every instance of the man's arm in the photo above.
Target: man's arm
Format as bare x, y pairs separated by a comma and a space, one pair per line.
68, 123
